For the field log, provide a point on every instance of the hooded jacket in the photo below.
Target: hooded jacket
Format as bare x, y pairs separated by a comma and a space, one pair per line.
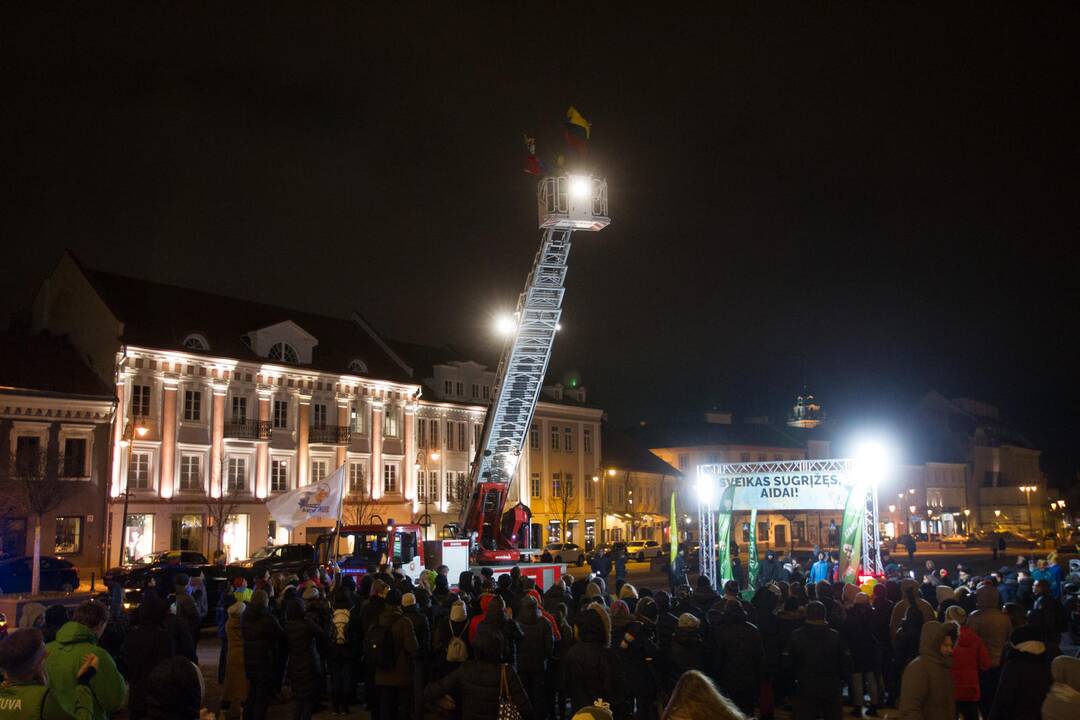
926, 689
65, 655
263, 638
236, 684
590, 669
174, 690
1063, 700
858, 633
1025, 677
763, 615
537, 647
738, 658
687, 652
900, 608
146, 645
818, 660
405, 647
990, 622
970, 658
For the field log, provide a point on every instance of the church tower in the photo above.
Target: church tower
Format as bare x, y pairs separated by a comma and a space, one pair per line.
806, 413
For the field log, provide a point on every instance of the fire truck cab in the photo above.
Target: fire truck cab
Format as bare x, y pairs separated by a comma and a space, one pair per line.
360, 549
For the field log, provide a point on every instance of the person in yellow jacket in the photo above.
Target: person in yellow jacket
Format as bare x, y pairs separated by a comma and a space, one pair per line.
25, 687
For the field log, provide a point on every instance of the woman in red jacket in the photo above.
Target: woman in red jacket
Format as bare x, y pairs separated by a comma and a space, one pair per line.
970, 657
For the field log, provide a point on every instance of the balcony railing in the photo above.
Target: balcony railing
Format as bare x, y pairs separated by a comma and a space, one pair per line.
247, 429
330, 434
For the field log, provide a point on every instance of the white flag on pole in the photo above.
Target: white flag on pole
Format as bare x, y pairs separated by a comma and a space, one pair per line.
318, 500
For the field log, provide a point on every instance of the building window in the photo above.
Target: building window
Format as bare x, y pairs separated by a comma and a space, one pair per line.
448, 387
534, 485
449, 435
390, 474
744, 457
763, 532
569, 485
761, 457
196, 342
451, 487
390, 422
239, 409
556, 485
357, 417
284, 352
798, 530
461, 437
434, 425
318, 471
586, 439
476, 391
140, 400
358, 366
778, 458
534, 438
186, 533
568, 439
356, 478
68, 535
487, 392
460, 388
75, 457
281, 414
554, 437
139, 536
139, 471
433, 486
684, 461
191, 472
476, 428
192, 405
27, 454
236, 475
279, 476
461, 486
318, 415
590, 489
421, 434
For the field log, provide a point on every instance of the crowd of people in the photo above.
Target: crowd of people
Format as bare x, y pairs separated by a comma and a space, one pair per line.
941, 646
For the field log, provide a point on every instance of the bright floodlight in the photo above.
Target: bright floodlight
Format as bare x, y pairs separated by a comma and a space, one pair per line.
704, 489
875, 460
580, 187
504, 324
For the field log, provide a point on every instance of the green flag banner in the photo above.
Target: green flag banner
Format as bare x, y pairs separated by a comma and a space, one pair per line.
673, 534
723, 534
851, 534
752, 563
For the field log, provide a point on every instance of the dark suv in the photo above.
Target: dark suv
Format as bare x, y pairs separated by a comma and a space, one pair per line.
291, 558
136, 571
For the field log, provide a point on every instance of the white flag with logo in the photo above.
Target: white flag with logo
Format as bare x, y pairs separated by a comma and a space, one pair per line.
320, 499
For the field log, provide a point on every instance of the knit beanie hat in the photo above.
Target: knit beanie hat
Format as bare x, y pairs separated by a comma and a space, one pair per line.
408, 599
457, 612
628, 591
686, 620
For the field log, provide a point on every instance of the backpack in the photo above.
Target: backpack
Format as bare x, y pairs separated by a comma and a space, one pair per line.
379, 647
341, 625
457, 650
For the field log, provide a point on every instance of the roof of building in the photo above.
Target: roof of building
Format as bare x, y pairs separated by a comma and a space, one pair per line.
41, 364
621, 451
701, 433
157, 315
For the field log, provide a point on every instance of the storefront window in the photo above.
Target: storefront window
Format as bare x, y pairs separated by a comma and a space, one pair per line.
554, 531
187, 532
235, 537
68, 535
139, 537
590, 534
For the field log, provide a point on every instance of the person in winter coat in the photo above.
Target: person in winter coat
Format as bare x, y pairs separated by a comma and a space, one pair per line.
534, 653
820, 570
1063, 700
970, 658
25, 692
858, 634
343, 650
187, 613
590, 669
395, 683
411, 610
769, 570
763, 616
497, 619
992, 625
703, 598
629, 595
263, 642
477, 684
687, 651
74, 641
147, 644
819, 662
303, 637
909, 595
888, 681
926, 689
235, 689
636, 652
455, 625
907, 642
175, 691
737, 655
1025, 677
33, 616
556, 595
55, 618
221, 617
695, 697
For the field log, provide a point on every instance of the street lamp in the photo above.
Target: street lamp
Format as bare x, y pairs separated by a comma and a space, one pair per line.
967, 514
138, 429
1027, 490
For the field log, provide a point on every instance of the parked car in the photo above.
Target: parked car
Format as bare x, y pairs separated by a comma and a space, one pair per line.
642, 549
57, 574
290, 558
566, 552
137, 569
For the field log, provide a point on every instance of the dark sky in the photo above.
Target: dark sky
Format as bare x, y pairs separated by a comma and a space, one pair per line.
872, 200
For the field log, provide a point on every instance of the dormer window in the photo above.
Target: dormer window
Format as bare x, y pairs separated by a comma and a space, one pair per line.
358, 366
196, 342
284, 352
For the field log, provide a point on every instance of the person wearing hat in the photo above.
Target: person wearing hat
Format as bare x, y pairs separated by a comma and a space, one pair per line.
234, 690
25, 692
687, 651
1025, 676
1063, 700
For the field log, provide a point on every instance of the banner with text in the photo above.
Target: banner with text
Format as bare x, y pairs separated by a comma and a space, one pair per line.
802, 485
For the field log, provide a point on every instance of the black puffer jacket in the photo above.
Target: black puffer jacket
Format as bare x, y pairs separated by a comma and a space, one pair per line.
763, 615
304, 636
590, 670
476, 684
818, 660
737, 657
422, 630
263, 639
858, 633
538, 643
556, 595
148, 643
687, 652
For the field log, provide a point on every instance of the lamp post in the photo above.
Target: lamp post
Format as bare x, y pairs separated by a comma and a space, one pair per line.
911, 520
423, 483
1027, 490
131, 431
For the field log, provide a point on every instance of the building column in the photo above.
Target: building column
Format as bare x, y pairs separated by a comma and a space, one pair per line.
262, 451
303, 427
342, 421
168, 438
411, 458
376, 448
119, 421
217, 437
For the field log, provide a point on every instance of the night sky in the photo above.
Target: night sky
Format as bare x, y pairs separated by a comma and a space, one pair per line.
874, 201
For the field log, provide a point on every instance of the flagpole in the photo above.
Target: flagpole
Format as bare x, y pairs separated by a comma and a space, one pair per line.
341, 507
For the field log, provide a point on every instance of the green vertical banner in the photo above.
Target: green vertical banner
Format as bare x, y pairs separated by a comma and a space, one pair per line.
752, 563
673, 534
851, 534
723, 534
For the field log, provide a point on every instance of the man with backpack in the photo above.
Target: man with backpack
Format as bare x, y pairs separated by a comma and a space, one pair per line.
412, 612
390, 646
345, 648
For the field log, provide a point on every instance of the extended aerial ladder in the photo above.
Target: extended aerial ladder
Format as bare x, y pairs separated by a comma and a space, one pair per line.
565, 203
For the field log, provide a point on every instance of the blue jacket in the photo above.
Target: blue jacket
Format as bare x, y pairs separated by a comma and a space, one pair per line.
819, 571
